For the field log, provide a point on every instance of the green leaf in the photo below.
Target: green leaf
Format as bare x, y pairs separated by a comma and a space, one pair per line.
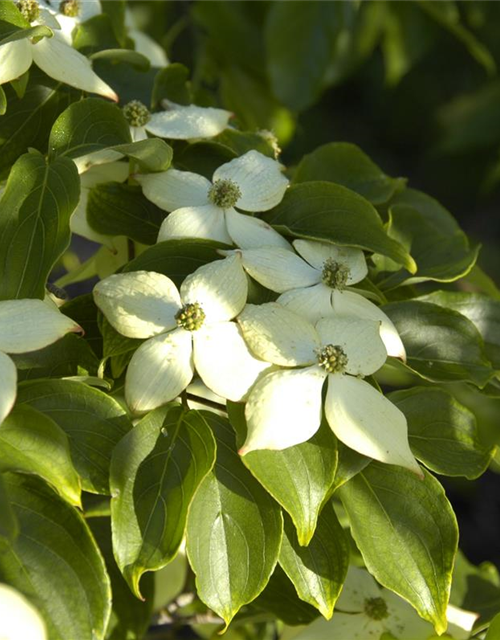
350, 463
407, 533
317, 571
9, 527
345, 164
204, 157
21, 84
31, 442
172, 83
300, 478
11, 14
151, 155
441, 344
442, 432
121, 209
88, 126
300, 39
156, 470
494, 629
34, 227
327, 211
95, 34
3, 102
481, 310
234, 530
114, 344
130, 617
39, 31
93, 421
133, 58
55, 562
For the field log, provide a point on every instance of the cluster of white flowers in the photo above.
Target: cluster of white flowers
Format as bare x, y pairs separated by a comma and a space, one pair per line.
274, 356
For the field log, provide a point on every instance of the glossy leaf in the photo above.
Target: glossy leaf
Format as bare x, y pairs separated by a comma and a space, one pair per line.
407, 533
327, 211
317, 571
9, 527
234, 530
88, 126
31, 442
442, 432
55, 562
133, 58
120, 209
156, 470
152, 154
34, 228
441, 344
93, 421
300, 478
345, 164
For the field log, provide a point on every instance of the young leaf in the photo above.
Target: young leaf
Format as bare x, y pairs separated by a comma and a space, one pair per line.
93, 421
55, 562
327, 211
299, 478
407, 533
150, 155
442, 432
34, 227
345, 164
234, 530
441, 344
317, 571
155, 472
31, 442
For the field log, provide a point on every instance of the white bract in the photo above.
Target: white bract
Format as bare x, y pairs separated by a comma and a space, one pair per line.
314, 284
177, 122
284, 408
365, 611
70, 13
204, 209
19, 618
26, 325
144, 44
184, 331
53, 55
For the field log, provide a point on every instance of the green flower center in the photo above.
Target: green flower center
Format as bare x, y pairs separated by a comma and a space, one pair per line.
335, 274
191, 317
224, 193
29, 9
332, 358
136, 114
376, 608
70, 8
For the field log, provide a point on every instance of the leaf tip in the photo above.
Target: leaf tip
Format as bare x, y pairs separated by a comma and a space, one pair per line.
132, 575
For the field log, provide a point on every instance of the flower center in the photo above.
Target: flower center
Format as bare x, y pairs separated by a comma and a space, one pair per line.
332, 358
136, 114
70, 8
335, 274
29, 9
191, 317
224, 193
376, 608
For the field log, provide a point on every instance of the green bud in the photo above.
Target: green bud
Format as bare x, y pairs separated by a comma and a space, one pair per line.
136, 114
224, 193
376, 608
70, 8
335, 274
332, 358
29, 9
191, 317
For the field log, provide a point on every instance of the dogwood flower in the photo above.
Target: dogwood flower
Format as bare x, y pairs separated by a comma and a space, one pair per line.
284, 408
204, 209
178, 122
144, 44
26, 325
365, 611
70, 13
183, 331
313, 284
52, 54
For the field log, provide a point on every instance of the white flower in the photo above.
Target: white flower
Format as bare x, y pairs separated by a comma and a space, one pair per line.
26, 325
144, 44
314, 285
20, 619
176, 123
98, 174
365, 611
204, 209
284, 408
53, 55
70, 13
186, 331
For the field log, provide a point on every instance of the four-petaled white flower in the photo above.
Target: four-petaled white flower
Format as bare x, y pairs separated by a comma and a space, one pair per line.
177, 122
26, 325
365, 611
284, 408
184, 332
204, 209
52, 54
314, 284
